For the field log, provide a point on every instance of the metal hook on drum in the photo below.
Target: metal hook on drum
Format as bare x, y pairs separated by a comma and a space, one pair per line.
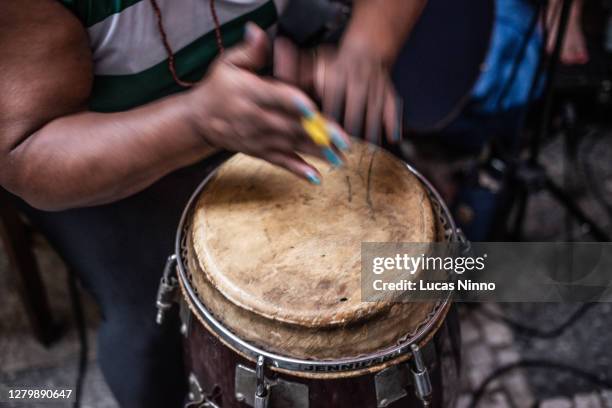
420, 376
464, 244
166, 293
197, 397
262, 389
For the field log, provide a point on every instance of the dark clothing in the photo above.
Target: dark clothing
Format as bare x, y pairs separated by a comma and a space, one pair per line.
118, 251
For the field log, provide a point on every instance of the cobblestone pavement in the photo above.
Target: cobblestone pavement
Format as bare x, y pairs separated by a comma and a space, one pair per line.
490, 344
23, 361
559, 361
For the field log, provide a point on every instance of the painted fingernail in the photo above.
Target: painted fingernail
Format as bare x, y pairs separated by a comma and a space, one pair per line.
313, 178
336, 138
332, 157
304, 109
397, 133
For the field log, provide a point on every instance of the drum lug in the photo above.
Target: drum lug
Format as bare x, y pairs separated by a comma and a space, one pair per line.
196, 394
420, 376
392, 383
196, 397
262, 388
166, 293
465, 246
255, 390
185, 315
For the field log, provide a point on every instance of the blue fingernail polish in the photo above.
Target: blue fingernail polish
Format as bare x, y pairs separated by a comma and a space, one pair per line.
337, 139
304, 109
313, 178
332, 157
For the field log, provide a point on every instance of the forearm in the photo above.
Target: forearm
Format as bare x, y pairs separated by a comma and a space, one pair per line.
55, 154
93, 158
382, 26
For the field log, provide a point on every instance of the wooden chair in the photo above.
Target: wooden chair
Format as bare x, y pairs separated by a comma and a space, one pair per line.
17, 243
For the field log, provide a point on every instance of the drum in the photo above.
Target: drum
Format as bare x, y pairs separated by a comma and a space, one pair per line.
267, 274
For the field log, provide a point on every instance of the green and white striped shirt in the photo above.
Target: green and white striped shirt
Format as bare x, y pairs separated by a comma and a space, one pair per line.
130, 62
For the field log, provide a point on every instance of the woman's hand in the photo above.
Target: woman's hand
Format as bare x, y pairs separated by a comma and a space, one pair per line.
353, 84
237, 110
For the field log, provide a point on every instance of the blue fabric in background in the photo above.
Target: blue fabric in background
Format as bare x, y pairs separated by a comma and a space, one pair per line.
497, 106
502, 90
512, 23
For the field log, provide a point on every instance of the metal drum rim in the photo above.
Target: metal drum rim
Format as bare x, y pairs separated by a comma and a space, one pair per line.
295, 364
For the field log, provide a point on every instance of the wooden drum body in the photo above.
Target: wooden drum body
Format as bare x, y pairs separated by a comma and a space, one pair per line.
269, 274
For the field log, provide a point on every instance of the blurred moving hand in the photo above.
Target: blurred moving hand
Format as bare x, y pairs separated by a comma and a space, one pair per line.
241, 111
353, 83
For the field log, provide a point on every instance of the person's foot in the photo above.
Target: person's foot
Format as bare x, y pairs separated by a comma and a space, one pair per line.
574, 50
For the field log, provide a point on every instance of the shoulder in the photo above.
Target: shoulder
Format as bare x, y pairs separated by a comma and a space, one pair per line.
33, 16
46, 63
38, 23
40, 28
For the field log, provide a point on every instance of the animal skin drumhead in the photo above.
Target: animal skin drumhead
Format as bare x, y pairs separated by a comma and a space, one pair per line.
289, 251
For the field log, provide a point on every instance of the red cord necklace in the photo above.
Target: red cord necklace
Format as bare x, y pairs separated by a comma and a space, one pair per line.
164, 37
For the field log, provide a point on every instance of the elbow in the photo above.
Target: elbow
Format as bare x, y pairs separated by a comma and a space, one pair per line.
38, 201
42, 203
29, 190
